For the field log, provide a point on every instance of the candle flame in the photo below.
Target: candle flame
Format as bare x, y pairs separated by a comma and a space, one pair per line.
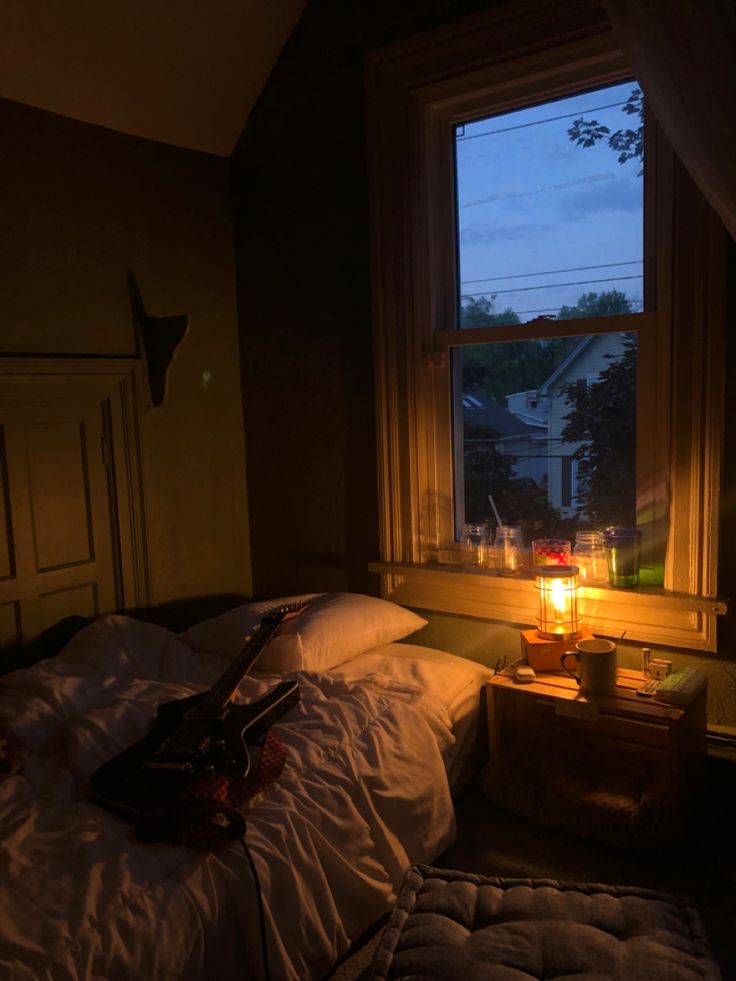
560, 599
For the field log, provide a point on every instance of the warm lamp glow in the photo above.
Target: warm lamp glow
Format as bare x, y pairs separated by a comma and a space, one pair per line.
558, 610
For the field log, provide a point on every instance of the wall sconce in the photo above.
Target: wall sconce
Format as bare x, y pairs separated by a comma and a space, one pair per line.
558, 601
559, 624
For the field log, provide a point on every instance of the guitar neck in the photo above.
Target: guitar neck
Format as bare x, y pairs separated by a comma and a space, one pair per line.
226, 686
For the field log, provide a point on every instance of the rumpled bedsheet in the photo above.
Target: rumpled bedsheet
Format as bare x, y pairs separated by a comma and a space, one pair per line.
363, 795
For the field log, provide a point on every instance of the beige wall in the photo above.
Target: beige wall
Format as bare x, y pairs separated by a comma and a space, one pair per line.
81, 205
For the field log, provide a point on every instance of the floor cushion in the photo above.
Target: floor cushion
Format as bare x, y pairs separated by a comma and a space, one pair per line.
456, 925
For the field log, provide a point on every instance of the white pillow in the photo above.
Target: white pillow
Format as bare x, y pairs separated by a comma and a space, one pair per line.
333, 628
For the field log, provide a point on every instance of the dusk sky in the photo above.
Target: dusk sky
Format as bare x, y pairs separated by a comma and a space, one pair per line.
534, 206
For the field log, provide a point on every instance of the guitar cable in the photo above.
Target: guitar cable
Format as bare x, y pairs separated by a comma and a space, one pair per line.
261, 909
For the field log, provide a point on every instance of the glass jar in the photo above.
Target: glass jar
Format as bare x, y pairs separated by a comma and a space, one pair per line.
551, 551
622, 556
589, 555
508, 550
474, 545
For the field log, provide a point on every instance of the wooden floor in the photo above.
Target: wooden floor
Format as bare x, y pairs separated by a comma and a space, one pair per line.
492, 842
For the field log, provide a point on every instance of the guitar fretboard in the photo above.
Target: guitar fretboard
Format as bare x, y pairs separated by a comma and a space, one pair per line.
225, 687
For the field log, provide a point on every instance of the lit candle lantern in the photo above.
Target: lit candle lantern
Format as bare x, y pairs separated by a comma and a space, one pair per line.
558, 607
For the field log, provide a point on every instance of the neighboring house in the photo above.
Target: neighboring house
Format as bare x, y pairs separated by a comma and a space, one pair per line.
530, 427
529, 406
583, 367
524, 439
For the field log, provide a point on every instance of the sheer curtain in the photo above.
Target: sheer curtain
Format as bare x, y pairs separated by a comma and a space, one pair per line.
683, 53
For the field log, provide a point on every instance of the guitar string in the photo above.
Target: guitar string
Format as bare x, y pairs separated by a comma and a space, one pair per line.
214, 698
232, 676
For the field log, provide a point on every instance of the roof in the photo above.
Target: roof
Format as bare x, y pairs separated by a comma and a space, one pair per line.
481, 409
564, 365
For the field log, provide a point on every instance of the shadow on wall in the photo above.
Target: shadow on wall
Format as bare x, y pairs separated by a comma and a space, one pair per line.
176, 616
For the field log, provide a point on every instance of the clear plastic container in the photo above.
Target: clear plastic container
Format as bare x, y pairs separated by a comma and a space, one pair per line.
589, 555
508, 550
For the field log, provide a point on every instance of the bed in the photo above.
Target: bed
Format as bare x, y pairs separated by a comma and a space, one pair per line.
382, 735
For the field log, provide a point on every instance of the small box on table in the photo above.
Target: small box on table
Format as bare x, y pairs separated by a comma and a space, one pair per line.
544, 654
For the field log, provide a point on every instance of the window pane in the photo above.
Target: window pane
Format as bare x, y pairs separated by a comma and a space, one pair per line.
550, 210
549, 431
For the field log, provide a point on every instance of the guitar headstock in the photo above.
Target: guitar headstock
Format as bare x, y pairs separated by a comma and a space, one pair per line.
285, 612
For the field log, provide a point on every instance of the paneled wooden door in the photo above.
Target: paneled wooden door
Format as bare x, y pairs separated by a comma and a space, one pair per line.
67, 483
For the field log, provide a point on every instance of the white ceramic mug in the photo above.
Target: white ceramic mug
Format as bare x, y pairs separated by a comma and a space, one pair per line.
596, 666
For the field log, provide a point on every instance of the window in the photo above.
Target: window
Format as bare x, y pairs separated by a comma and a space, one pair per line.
549, 208
486, 348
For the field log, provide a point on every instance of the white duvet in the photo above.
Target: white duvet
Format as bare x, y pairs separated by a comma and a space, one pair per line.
364, 794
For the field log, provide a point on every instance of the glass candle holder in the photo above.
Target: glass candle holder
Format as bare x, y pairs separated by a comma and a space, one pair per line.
508, 550
551, 551
589, 555
622, 556
558, 610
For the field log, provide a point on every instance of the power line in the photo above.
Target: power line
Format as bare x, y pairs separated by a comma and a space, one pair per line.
555, 272
549, 286
537, 122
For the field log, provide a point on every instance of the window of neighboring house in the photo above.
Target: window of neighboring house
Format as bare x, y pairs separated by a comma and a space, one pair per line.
532, 231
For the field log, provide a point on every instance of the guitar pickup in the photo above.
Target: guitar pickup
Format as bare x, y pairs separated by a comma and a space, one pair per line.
170, 767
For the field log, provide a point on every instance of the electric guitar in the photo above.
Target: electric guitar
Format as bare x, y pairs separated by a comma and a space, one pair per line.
196, 738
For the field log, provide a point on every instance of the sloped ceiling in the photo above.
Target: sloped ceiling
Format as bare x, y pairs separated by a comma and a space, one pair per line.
185, 72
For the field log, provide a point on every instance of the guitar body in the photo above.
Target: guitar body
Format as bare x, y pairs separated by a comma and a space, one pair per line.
185, 747
169, 783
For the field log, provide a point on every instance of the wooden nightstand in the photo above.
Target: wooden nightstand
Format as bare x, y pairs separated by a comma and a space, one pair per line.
661, 747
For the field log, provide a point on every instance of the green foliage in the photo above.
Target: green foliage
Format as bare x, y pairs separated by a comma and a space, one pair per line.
526, 505
604, 304
512, 366
478, 312
603, 417
520, 501
627, 143
501, 369
486, 470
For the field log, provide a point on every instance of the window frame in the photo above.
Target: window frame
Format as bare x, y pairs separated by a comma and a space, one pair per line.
416, 91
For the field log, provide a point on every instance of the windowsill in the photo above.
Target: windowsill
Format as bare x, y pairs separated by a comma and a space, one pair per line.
646, 614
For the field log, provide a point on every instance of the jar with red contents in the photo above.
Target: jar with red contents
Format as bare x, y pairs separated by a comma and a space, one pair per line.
551, 551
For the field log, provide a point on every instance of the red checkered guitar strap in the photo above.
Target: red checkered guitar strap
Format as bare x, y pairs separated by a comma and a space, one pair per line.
204, 755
